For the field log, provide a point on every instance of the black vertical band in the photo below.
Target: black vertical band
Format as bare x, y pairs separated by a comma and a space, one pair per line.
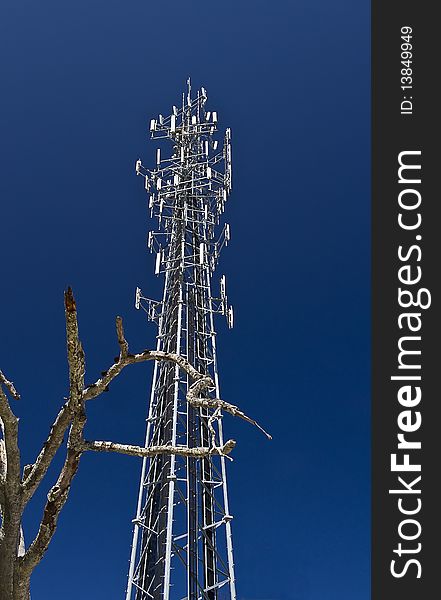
406, 532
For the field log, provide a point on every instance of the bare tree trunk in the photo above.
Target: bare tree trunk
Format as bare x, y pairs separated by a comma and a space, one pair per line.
6, 575
13, 585
21, 584
9, 548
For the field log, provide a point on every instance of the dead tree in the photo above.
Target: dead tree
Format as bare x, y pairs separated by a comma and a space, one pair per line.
17, 485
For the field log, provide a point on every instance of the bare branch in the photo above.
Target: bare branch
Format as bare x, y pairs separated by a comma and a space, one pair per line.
124, 346
101, 384
56, 499
75, 408
2, 473
215, 416
10, 498
2, 458
217, 403
75, 354
59, 493
227, 407
75, 357
203, 383
78, 395
154, 450
37, 471
9, 426
9, 386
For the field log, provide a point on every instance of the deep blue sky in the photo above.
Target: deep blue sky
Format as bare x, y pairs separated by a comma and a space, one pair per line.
81, 81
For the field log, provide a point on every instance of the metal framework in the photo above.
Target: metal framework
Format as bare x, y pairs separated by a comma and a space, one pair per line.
182, 545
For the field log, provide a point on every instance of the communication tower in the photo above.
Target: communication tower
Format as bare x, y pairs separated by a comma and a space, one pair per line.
182, 545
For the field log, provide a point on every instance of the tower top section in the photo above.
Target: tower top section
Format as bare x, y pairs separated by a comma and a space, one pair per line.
198, 165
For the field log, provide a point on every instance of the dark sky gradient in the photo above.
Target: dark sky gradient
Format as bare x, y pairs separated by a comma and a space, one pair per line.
81, 81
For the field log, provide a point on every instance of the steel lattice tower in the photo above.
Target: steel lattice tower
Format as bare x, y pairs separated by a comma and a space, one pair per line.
182, 545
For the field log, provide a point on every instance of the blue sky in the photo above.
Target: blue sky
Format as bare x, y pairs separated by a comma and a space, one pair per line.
80, 84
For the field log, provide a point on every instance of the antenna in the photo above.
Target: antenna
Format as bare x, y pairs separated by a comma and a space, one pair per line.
189, 91
158, 263
227, 234
230, 318
137, 298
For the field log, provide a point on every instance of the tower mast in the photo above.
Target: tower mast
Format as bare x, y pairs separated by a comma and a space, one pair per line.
182, 545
